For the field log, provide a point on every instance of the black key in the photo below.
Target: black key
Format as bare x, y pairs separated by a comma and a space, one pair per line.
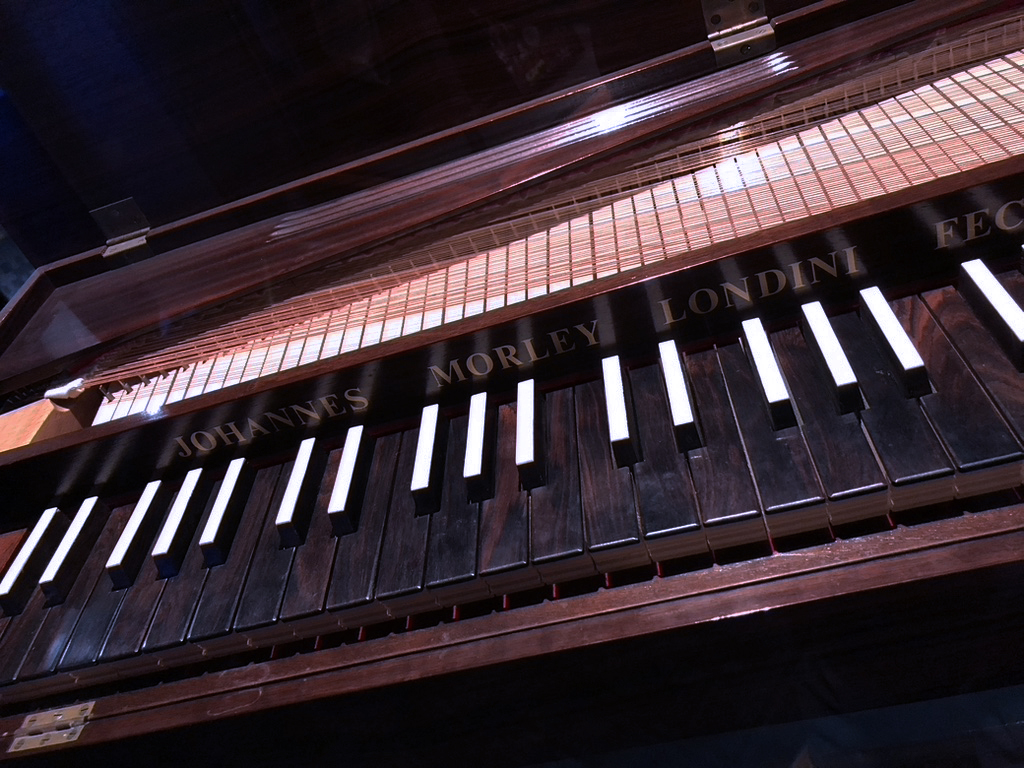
215, 613
404, 549
357, 555
854, 483
178, 600
452, 543
49, 644
268, 569
986, 456
913, 458
556, 511
529, 434
504, 541
664, 488
982, 352
311, 568
822, 339
728, 503
783, 472
609, 510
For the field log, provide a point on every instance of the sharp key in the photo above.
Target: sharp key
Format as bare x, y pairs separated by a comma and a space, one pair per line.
822, 338
897, 344
529, 459
296, 509
178, 526
428, 464
477, 469
684, 422
130, 550
25, 569
773, 386
222, 523
621, 430
990, 300
349, 483
72, 551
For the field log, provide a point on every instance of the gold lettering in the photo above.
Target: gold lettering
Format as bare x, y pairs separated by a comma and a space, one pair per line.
239, 437
562, 341
944, 230
762, 279
1001, 221
507, 356
591, 334
310, 413
975, 223
454, 370
185, 451
534, 357
743, 293
255, 426
666, 310
197, 438
356, 399
330, 405
279, 420
488, 366
712, 301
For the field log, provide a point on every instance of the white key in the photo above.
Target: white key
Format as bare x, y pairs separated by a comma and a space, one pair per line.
342, 507
15, 586
679, 403
909, 364
60, 571
290, 515
128, 553
174, 533
425, 467
822, 336
996, 306
223, 520
623, 444
473, 468
773, 386
528, 457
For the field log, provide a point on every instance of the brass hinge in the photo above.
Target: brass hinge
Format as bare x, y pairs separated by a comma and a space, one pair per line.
51, 728
738, 30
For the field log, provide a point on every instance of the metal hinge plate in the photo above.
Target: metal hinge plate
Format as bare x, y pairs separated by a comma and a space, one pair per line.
51, 728
738, 30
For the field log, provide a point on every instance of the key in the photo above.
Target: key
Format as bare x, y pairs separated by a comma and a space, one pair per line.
609, 512
725, 492
349, 483
664, 488
477, 470
684, 421
222, 524
773, 386
529, 435
428, 465
900, 349
178, 527
73, 550
918, 468
27, 566
130, 551
783, 473
620, 434
818, 332
293, 515
854, 483
995, 307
